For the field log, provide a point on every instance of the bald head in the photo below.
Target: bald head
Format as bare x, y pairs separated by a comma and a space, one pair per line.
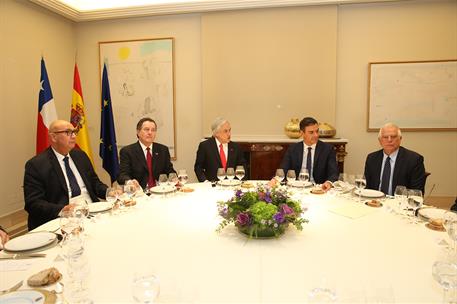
62, 136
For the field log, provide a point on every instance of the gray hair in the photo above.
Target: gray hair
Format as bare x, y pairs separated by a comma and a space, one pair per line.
389, 125
217, 123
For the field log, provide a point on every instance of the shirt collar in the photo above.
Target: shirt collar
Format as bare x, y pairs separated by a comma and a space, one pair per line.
59, 156
144, 147
305, 146
218, 143
393, 155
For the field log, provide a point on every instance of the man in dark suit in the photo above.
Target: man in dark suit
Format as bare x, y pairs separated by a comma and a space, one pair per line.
217, 152
144, 160
317, 157
56, 175
394, 165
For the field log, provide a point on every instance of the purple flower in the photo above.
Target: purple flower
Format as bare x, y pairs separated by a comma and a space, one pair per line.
268, 197
223, 212
239, 193
279, 217
286, 209
243, 219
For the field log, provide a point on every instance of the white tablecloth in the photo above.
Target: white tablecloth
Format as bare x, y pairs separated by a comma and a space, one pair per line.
376, 257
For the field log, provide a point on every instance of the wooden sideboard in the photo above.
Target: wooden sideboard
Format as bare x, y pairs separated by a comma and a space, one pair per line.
263, 156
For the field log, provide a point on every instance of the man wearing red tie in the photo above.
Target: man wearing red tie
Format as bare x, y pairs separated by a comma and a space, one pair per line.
217, 152
144, 160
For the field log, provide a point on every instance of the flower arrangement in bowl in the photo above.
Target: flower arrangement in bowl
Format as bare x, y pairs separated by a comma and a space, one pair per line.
262, 213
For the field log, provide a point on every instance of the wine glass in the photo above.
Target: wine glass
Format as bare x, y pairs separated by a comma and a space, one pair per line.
450, 224
279, 175
239, 172
401, 194
173, 179
112, 197
303, 176
324, 293
145, 289
230, 174
68, 225
129, 190
415, 201
182, 177
291, 177
360, 183
445, 273
221, 174
163, 180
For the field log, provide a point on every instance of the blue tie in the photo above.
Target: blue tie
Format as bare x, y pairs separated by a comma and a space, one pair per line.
308, 161
386, 177
74, 187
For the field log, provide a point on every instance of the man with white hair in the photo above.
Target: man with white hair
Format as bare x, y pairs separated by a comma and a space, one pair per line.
394, 165
217, 152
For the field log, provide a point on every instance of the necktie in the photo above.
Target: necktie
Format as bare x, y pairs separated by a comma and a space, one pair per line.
386, 177
308, 161
223, 158
74, 187
151, 181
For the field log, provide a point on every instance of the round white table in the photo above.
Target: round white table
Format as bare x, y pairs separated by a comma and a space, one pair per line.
377, 256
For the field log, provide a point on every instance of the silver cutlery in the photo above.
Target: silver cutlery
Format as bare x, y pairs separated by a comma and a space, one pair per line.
19, 256
14, 288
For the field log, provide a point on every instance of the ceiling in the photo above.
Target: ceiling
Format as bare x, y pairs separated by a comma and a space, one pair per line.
88, 10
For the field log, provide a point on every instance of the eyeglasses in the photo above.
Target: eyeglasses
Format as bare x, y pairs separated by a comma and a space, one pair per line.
67, 132
389, 137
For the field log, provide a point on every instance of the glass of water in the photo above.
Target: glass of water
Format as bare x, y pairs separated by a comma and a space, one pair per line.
445, 273
239, 172
145, 288
360, 183
415, 201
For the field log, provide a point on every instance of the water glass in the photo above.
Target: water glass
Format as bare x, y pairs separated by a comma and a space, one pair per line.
163, 180
279, 175
401, 194
239, 172
450, 224
182, 177
221, 174
230, 173
145, 289
291, 177
415, 201
360, 183
445, 273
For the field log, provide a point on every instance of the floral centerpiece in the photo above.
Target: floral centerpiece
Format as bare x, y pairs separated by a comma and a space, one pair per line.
265, 212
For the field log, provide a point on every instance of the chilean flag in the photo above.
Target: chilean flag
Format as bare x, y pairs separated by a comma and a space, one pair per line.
46, 111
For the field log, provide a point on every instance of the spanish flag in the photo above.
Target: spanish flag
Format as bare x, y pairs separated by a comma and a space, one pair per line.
78, 117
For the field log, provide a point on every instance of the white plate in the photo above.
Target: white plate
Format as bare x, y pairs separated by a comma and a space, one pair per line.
431, 213
162, 189
228, 182
299, 184
369, 193
23, 297
99, 207
29, 241
51, 226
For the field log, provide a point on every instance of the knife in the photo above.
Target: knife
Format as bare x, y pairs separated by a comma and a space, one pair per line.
19, 256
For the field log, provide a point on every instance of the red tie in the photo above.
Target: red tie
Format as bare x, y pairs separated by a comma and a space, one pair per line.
222, 153
151, 181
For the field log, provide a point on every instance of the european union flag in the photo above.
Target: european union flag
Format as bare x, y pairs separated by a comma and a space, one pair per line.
108, 147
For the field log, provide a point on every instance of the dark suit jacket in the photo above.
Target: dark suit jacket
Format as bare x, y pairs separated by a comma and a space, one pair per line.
324, 164
208, 159
45, 189
133, 163
409, 170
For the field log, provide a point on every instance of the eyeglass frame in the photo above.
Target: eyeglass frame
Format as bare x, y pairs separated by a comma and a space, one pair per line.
67, 132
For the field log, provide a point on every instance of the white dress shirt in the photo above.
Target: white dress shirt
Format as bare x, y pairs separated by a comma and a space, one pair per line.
393, 158
305, 157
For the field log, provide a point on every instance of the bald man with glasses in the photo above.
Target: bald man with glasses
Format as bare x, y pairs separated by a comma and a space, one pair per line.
394, 165
58, 174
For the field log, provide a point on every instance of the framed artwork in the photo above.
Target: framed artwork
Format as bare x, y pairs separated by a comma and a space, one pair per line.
416, 95
141, 77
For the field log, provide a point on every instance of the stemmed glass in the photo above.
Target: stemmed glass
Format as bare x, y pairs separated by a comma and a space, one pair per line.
112, 196
173, 179
129, 190
445, 273
450, 224
415, 201
279, 175
145, 289
291, 177
239, 172
303, 176
401, 194
162, 182
360, 183
68, 225
182, 177
221, 174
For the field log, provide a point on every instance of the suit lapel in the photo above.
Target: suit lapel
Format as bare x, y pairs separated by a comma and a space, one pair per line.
377, 168
214, 149
57, 169
398, 164
155, 158
231, 155
82, 171
139, 154
317, 154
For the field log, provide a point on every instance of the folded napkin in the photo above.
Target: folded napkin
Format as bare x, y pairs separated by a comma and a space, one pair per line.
44, 277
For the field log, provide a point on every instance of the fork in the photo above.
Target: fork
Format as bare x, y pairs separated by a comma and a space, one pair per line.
14, 288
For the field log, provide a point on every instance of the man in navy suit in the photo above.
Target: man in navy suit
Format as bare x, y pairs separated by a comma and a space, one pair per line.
317, 157
404, 167
144, 160
57, 174
217, 152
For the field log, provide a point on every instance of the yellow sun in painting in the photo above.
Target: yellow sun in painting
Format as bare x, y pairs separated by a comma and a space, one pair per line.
124, 53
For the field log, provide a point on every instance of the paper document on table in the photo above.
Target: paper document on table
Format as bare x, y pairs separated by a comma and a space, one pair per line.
352, 210
15, 265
